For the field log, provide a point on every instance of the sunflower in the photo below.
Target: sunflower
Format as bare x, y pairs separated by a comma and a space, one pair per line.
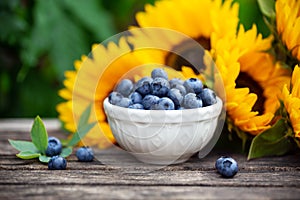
291, 101
288, 25
252, 100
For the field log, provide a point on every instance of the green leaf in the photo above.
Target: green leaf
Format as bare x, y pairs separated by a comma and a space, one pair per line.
39, 135
83, 120
272, 142
267, 7
44, 159
23, 145
80, 134
66, 152
28, 155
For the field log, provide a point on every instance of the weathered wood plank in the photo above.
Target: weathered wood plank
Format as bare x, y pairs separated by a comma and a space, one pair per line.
143, 192
161, 177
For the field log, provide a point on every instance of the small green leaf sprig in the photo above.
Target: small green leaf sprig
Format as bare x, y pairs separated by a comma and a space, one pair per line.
39, 139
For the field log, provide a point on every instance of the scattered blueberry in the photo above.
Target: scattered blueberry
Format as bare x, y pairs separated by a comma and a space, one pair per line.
208, 97
136, 98
160, 87
176, 96
190, 101
143, 86
136, 106
57, 163
85, 154
149, 100
159, 73
193, 85
226, 166
114, 98
163, 104
54, 147
125, 87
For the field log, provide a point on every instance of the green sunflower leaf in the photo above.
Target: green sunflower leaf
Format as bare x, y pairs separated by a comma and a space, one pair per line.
66, 152
28, 155
272, 142
39, 135
44, 159
267, 7
23, 145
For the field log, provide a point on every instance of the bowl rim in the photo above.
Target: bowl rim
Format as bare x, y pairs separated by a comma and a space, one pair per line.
169, 116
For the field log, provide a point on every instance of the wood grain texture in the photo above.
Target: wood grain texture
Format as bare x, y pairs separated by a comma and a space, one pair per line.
265, 178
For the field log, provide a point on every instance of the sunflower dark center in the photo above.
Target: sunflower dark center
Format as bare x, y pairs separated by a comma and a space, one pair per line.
245, 80
189, 53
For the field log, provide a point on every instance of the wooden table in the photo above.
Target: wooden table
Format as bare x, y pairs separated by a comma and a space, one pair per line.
266, 178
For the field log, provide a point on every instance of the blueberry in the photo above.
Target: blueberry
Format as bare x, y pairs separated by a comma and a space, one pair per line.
143, 86
85, 154
125, 87
125, 102
181, 88
163, 104
57, 163
159, 73
193, 85
137, 106
149, 100
208, 97
136, 98
176, 97
175, 81
54, 147
190, 100
226, 166
115, 97
160, 87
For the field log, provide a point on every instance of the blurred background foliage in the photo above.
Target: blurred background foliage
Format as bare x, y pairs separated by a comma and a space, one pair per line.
40, 39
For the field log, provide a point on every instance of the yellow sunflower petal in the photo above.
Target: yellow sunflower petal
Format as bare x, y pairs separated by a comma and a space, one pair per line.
288, 24
291, 101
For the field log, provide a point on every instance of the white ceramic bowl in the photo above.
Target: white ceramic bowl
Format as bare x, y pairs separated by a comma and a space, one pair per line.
163, 137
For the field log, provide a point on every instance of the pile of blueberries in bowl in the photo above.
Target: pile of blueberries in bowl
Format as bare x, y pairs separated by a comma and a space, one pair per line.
159, 93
